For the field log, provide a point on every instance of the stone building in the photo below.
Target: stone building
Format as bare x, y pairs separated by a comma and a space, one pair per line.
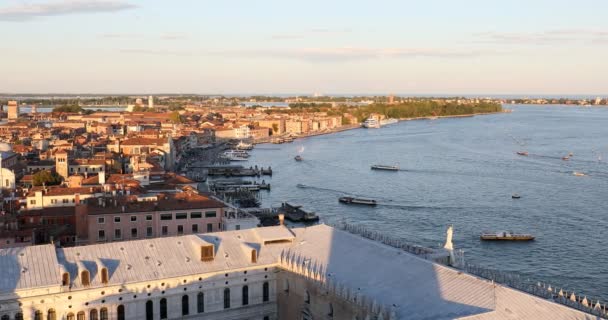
259, 274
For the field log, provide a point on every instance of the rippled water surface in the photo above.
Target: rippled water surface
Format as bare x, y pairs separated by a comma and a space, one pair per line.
463, 171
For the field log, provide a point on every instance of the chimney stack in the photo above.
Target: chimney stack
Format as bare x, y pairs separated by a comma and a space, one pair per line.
77, 198
281, 219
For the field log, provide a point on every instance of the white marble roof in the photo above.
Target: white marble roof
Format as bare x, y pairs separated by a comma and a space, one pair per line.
419, 288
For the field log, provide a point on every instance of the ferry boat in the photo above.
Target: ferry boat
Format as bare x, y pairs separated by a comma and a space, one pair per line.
522, 153
244, 146
506, 236
371, 123
385, 167
298, 158
238, 153
352, 200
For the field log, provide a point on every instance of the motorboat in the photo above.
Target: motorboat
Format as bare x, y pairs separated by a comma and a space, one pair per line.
522, 153
515, 196
298, 158
236, 153
244, 146
578, 174
371, 123
352, 200
506, 236
385, 167
566, 158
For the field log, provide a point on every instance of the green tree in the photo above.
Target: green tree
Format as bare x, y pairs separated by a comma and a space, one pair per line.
68, 108
49, 178
175, 117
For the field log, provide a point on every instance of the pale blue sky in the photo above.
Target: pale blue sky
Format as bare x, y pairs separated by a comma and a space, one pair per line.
268, 46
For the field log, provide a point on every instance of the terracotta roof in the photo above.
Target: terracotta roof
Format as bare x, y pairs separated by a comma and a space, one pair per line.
143, 142
165, 202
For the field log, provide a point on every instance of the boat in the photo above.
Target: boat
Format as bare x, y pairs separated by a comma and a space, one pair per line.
232, 157
352, 200
385, 167
566, 158
371, 123
522, 153
515, 196
506, 236
578, 174
244, 146
298, 158
236, 153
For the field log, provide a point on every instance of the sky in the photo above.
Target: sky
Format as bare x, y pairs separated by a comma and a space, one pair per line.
553, 47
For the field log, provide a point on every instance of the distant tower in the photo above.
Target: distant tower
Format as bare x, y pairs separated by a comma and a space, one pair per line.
391, 99
13, 110
139, 102
151, 102
62, 164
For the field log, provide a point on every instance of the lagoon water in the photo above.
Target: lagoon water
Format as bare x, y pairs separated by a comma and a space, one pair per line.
463, 171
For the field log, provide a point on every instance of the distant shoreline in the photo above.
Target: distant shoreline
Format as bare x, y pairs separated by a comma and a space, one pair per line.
358, 126
455, 115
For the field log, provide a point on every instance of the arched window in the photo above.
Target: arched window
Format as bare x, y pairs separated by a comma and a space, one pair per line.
93, 315
307, 297
65, 279
163, 308
70, 316
51, 315
265, 292
120, 312
103, 314
254, 256
286, 285
18, 316
104, 275
85, 278
149, 310
185, 305
38, 315
80, 316
226, 298
200, 302
245, 295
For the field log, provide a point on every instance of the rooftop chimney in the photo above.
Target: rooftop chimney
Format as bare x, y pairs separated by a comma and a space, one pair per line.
77, 198
281, 219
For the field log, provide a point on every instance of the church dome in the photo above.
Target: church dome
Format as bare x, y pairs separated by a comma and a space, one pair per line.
5, 147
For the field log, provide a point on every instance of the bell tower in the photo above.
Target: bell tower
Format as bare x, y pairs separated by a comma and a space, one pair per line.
62, 164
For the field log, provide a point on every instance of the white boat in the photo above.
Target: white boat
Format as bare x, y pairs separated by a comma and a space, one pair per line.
234, 158
505, 236
238, 153
371, 123
578, 174
244, 146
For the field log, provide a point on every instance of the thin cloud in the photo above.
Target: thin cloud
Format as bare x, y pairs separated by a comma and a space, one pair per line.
24, 12
343, 54
310, 33
121, 36
173, 36
543, 38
